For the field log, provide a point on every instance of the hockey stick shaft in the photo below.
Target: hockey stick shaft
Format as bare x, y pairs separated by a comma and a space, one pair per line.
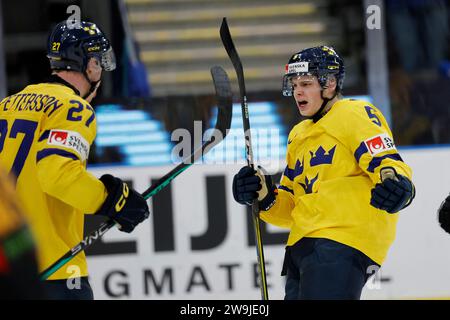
234, 57
224, 99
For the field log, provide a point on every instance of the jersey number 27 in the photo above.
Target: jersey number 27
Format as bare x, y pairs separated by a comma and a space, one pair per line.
25, 127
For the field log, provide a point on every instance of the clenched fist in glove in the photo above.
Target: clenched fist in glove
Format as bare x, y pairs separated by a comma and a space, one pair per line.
249, 184
394, 193
124, 205
444, 214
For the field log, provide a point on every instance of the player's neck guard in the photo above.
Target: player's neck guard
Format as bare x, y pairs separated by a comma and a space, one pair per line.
56, 79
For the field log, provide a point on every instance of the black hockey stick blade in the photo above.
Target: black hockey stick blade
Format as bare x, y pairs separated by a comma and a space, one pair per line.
228, 43
225, 111
225, 105
224, 98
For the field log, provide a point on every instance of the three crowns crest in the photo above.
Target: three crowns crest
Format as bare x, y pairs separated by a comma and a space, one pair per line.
320, 156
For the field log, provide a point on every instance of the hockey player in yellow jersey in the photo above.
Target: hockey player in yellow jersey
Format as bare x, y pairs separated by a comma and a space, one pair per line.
342, 187
46, 131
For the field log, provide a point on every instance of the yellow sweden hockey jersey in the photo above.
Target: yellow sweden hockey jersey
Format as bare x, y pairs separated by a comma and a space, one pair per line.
332, 165
45, 134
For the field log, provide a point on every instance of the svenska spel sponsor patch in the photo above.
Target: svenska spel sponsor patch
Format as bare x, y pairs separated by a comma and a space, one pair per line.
69, 139
297, 67
379, 144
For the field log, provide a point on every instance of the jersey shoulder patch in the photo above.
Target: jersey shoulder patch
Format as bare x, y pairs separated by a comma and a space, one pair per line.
71, 140
379, 143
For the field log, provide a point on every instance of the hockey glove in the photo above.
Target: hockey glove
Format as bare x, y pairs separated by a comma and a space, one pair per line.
394, 193
249, 185
124, 205
444, 214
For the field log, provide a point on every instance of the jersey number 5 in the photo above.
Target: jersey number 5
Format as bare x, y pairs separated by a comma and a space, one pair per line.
27, 128
371, 113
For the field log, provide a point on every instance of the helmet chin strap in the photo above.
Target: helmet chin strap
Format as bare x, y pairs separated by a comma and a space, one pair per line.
319, 114
92, 84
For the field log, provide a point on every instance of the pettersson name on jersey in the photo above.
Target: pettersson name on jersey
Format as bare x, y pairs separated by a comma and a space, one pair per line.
69, 139
379, 144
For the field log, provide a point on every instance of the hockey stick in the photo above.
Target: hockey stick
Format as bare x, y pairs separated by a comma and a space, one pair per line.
224, 102
233, 54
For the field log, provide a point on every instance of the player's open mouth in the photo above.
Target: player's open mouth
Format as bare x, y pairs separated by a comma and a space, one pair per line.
302, 104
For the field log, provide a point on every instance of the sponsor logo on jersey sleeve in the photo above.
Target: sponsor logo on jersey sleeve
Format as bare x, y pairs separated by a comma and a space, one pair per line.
57, 136
379, 144
71, 140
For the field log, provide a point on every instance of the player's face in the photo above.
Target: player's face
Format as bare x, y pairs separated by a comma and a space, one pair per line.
307, 94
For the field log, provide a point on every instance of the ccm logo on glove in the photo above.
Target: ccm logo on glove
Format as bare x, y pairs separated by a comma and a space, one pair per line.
123, 198
123, 204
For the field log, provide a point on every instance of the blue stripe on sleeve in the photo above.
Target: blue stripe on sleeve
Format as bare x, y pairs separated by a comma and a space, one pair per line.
44, 135
375, 163
286, 189
51, 151
360, 151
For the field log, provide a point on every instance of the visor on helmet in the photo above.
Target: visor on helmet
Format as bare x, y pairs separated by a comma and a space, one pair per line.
101, 49
108, 60
294, 70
